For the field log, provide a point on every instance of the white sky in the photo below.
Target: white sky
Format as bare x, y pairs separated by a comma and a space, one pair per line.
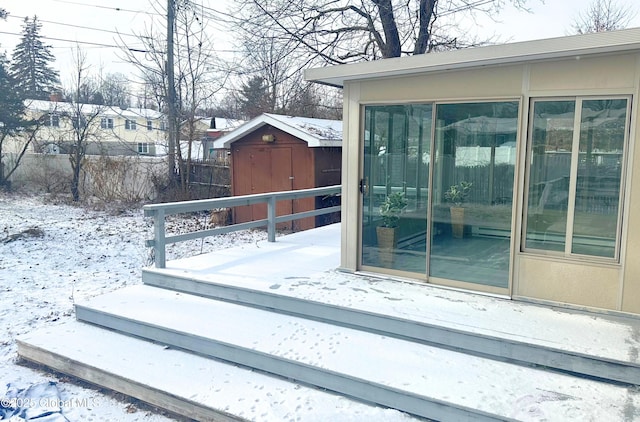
554, 18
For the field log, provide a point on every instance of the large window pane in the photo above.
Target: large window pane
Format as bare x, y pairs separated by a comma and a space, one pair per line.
575, 173
475, 154
549, 173
602, 133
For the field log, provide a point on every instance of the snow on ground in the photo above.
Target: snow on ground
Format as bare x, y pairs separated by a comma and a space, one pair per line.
54, 254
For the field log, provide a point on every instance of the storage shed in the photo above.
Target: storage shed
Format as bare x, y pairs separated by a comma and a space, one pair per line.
273, 153
534, 145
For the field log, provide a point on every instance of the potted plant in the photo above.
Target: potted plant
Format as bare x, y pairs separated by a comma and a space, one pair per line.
457, 194
390, 211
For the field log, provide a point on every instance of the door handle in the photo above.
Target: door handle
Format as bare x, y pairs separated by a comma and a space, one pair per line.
364, 186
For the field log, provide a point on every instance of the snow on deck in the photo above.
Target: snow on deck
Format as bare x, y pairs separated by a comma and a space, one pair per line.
304, 264
235, 391
441, 375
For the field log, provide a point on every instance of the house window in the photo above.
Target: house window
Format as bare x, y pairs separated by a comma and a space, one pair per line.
106, 123
52, 120
130, 124
143, 148
575, 162
149, 124
79, 122
163, 125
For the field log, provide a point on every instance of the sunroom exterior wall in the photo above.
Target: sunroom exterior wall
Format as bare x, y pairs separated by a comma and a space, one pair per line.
575, 281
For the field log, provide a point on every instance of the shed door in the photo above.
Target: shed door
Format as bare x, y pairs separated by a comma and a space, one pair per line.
281, 180
260, 170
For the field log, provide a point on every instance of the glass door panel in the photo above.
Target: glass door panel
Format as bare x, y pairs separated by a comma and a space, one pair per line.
396, 161
472, 192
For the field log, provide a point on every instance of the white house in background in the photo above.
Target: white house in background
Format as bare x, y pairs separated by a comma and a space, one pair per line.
116, 131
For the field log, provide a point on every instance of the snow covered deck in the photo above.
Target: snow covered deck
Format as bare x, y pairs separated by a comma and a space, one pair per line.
283, 309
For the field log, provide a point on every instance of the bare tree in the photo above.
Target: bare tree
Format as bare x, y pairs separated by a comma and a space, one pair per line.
114, 88
603, 15
272, 70
198, 75
82, 121
342, 31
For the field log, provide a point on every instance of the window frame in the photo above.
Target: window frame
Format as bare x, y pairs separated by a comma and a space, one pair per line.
149, 124
53, 120
143, 148
130, 124
567, 253
106, 123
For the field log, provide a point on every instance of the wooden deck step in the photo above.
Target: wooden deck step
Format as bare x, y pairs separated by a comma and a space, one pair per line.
412, 377
596, 346
193, 386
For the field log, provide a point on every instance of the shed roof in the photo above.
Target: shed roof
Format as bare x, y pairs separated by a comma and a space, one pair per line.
315, 132
520, 52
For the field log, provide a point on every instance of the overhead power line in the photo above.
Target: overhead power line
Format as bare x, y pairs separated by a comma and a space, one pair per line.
76, 26
77, 42
117, 9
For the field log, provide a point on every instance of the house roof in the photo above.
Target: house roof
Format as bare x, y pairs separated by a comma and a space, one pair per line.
520, 52
222, 124
315, 132
103, 110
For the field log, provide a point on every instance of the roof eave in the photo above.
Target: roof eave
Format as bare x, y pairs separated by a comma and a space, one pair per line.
495, 55
225, 141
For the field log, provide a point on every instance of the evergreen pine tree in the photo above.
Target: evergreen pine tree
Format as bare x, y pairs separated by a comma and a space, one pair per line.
254, 98
31, 67
13, 124
11, 105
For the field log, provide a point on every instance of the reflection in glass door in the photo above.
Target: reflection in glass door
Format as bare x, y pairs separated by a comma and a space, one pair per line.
395, 177
472, 192
466, 235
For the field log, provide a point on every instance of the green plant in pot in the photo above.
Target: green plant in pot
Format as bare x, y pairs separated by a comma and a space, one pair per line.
390, 211
457, 194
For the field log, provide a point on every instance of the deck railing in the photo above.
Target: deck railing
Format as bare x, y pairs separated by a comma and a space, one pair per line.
159, 211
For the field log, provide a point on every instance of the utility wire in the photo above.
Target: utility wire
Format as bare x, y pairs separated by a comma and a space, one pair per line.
78, 42
117, 9
76, 26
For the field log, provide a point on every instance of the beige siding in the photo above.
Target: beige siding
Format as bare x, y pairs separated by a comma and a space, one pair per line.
576, 283
606, 74
485, 83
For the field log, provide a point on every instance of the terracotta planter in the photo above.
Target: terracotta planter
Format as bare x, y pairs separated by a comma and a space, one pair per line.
387, 242
457, 222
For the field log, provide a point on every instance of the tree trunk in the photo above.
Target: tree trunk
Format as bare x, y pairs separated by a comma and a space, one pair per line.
424, 34
391, 47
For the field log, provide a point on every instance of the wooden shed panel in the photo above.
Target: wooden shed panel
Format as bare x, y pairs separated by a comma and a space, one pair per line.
281, 180
303, 179
241, 185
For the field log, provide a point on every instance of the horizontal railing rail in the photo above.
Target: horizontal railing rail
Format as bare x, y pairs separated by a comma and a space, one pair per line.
159, 211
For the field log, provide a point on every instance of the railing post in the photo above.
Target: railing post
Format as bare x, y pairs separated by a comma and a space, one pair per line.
271, 219
159, 245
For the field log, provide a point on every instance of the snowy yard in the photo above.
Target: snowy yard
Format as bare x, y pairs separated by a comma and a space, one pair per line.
53, 254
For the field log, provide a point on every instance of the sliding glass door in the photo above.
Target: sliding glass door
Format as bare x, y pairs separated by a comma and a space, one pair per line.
472, 195
397, 142
454, 208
